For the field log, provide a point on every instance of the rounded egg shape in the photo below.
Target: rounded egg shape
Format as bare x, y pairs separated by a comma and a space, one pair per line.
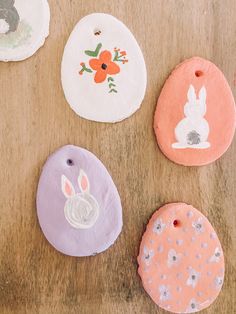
195, 117
24, 26
78, 205
103, 71
181, 261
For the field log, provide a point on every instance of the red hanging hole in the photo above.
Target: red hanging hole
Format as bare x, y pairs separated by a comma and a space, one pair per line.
176, 223
198, 73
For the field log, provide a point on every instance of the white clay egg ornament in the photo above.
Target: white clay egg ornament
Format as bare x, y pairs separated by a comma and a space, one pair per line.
103, 70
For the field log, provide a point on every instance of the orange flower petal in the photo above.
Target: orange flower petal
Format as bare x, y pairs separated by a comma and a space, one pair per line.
113, 68
100, 76
105, 56
95, 64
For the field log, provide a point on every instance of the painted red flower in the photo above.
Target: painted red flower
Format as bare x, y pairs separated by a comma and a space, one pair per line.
104, 66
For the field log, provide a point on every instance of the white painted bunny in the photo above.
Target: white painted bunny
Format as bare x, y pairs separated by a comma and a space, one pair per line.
81, 209
193, 131
9, 17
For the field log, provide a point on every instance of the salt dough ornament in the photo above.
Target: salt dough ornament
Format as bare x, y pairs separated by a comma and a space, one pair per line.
103, 70
181, 261
78, 206
24, 25
195, 117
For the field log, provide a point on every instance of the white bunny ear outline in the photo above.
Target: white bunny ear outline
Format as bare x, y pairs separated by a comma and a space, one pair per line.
67, 187
83, 182
191, 94
202, 94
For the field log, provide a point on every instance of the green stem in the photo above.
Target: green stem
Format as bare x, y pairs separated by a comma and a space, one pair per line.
84, 68
116, 56
111, 85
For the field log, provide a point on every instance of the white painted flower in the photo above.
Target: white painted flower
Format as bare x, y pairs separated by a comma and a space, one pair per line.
219, 282
173, 258
164, 293
147, 255
193, 306
215, 258
198, 225
159, 226
193, 278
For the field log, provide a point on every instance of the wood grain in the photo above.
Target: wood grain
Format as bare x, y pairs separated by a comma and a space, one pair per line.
35, 120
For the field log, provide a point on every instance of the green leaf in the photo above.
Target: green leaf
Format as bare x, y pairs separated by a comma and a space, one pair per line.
110, 79
113, 91
88, 70
111, 85
94, 53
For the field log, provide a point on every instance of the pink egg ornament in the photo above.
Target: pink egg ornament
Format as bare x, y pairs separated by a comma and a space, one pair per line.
181, 261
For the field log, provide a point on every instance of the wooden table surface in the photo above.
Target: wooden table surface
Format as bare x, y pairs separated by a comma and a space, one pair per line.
35, 120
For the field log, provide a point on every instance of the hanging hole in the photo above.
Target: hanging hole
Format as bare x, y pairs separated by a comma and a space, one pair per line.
198, 73
176, 223
70, 162
97, 32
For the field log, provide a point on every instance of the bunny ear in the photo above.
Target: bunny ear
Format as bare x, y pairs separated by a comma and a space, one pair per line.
83, 181
67, 187
202, 94
191, 94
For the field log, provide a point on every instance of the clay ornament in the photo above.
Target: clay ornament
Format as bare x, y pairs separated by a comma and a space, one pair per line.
78, 206
181, 261
24, 26
103, 70
195, 117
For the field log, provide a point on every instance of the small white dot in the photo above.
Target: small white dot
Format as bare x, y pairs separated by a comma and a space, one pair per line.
179, 275
160, 249
190, 214
213, 235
